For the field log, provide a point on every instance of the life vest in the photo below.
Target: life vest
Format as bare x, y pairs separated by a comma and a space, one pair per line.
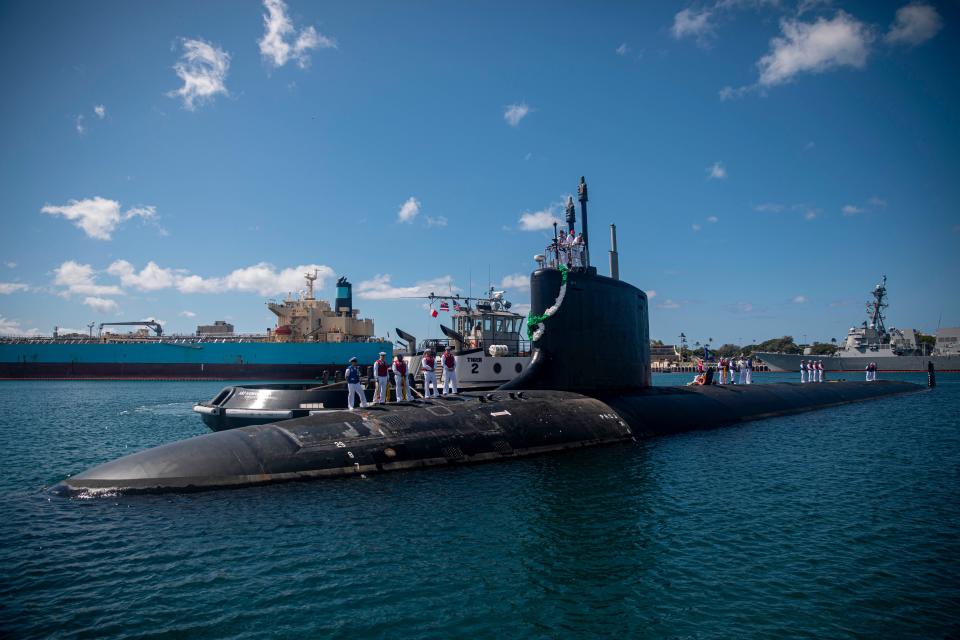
449, 361
353, 376
428, 364
401, 366
382, 369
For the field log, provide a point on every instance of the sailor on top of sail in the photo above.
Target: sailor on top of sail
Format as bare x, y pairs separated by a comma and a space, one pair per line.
428, 363
449, 371
380, 370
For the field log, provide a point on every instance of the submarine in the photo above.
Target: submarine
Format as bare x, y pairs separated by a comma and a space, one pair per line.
588, 384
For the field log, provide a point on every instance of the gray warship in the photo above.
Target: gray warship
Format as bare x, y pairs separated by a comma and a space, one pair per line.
891, 350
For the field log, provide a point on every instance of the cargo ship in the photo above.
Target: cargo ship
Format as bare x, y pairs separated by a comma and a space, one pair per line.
311, 340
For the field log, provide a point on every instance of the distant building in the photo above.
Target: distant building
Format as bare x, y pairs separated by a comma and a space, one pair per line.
219, 328
663, 353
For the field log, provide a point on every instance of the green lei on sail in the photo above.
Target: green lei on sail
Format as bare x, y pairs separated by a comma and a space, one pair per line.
535, 326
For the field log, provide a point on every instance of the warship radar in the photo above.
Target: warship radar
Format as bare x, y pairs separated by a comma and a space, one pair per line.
588, 384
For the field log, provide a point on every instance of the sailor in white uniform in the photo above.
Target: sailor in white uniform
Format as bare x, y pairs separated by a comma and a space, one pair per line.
561, 249
449, 371
399, 369
819, 370
742, 364
803, 371
352, 377
748, 366
428, 364
380, 371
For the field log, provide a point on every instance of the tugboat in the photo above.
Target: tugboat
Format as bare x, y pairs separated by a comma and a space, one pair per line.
486, 340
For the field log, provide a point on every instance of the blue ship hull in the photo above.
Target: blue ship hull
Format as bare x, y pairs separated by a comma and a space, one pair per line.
178, 359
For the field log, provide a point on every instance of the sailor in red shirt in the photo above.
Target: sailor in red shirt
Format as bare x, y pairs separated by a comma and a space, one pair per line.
449, 371
400, 378
380, 371
428, 364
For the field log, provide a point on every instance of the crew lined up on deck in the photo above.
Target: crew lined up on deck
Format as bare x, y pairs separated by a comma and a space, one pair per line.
398, 370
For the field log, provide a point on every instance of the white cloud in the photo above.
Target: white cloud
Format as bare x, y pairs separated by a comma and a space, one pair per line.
280, 43
713, 219
79, 279
100, 111
695, 227
811, 214
877, 202
262, 278
769, 207
186, 314
800, 299
852, 210
814, 47
103, 305
11, 264
514, 113
915, 23
439, 221
81, 129
98, 217
516, 281
10, 327
203, 70
408, 210
151, 278
651, 293
197, 284
716, 171
741, 307
380, 288
538, 220
689, 22
623, 49
6, 288
668, 304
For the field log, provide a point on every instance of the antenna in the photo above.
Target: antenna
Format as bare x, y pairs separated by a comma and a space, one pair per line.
310, 278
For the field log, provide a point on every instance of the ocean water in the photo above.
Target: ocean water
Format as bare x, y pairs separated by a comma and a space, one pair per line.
840, 523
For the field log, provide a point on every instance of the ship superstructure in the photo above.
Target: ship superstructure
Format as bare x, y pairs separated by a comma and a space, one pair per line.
305, 318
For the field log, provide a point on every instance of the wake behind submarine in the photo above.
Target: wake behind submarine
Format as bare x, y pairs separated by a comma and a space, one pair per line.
588, 384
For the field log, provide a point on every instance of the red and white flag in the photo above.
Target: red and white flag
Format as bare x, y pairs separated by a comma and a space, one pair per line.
433, 313
444, 306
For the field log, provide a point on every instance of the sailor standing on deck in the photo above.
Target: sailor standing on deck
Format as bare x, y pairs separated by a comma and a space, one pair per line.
819, 370
742, 366
352, 376
571, 249
803, 371
380, 371
449, 371
748, 367
428, 364
561, 249
400, 378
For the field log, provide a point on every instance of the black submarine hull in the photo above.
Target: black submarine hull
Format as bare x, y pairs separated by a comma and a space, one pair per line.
588, 383
469, 428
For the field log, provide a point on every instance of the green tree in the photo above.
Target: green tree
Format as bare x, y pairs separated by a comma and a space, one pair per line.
823, 349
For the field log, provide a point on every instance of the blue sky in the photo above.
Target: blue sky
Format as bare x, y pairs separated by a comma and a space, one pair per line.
765, 162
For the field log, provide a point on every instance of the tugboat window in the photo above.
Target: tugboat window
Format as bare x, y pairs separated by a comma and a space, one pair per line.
486, 324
